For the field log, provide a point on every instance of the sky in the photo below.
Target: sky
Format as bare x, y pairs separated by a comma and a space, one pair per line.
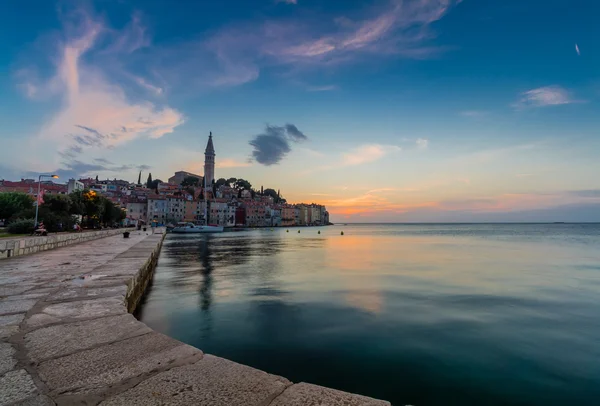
383, 110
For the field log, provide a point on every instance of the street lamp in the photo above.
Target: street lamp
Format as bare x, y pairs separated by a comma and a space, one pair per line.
37, 203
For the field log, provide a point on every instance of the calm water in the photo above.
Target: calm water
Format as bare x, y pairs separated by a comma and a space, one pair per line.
414, 314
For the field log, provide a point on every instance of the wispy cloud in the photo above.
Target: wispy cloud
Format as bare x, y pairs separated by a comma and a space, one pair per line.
544, 96
422, 143
367, 153
577, 50
271, 146
231, 163
326, 88
95, 110
287, 1
400, 29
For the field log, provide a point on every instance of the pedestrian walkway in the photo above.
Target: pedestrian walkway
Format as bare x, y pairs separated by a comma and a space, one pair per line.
66, 337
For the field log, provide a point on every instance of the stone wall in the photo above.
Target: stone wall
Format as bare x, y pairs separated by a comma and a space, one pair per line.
30, 245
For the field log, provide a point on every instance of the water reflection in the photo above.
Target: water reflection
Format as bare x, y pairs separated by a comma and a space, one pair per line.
427, 315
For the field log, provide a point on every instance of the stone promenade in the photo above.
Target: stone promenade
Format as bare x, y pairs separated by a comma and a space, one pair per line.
67, 337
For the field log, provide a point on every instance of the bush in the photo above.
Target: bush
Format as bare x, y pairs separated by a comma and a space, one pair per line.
21, 226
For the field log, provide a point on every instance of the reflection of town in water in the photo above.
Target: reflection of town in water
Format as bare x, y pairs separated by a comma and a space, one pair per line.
396, 312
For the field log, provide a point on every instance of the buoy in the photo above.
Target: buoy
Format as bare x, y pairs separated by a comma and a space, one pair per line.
342, 233
298, 231
319, 232
287, 231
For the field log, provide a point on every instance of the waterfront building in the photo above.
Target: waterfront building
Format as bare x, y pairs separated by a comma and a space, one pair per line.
276, 220
255, 214
303, 219
137, 210
175, 208
157, 209
194, 210
288, 217
315, 215
222, 213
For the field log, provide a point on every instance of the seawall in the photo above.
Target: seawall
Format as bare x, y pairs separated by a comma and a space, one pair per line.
12, 247
69, 338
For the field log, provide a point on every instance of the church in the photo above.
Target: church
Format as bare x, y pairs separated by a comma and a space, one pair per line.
209, 163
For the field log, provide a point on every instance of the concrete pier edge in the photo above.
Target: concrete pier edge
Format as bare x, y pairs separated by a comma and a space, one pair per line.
72, 340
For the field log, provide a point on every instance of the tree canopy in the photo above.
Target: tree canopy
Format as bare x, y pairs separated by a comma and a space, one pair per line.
12, 203
190, 181
242, 184
220, 182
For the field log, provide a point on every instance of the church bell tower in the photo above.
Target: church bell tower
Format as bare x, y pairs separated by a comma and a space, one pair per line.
209, 162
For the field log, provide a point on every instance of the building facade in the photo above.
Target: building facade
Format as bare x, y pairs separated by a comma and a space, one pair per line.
181, 175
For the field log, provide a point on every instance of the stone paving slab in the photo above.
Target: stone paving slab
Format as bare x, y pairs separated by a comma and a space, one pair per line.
7, 358
81, 309
305, 394
81, 292
16, 385
39, 400
16, 305
55, 341
94, 370
211, 381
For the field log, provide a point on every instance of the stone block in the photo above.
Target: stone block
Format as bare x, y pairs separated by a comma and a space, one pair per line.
305, 394
96, 369
81, 309
16, 385
12, 319
55, 341
84, 292
16, 306
211, 381
7, 358
7, 331
39, 400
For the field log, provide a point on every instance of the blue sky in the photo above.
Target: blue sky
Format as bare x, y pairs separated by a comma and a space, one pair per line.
384, 110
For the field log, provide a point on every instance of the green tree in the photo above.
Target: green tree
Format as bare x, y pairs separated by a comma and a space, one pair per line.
140, 178
190, 181
77, 206
11, 203
220, 182
231, 182
149, 181
242, 184
57, 203
154, 184
272, 193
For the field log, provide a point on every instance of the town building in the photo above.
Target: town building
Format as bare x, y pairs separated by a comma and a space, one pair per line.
175, 208
287, 215
137, 210
157, 209
181, 175
74, 186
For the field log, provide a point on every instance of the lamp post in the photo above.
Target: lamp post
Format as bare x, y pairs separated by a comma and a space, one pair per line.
37, 198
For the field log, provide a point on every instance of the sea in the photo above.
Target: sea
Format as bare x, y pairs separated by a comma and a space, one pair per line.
416, 314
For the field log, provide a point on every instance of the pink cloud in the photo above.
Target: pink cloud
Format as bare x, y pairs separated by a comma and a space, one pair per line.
95, 111
402, 28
